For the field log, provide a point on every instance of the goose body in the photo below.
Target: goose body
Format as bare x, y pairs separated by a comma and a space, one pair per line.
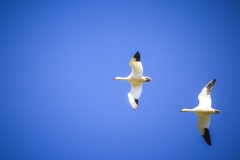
204, 111
136, 79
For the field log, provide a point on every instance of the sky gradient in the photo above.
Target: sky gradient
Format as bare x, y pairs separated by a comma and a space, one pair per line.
59, 99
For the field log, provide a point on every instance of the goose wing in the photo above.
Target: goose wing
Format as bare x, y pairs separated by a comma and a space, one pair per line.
204, 97
203, 125
134, 94
136, 65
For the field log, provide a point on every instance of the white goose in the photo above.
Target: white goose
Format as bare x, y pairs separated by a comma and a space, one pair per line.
204, 111
136, 79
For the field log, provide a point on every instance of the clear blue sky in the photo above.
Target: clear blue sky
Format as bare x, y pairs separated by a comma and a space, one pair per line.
59, 99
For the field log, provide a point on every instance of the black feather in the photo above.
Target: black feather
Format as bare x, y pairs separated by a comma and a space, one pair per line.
206, 136
137, 56
136, 100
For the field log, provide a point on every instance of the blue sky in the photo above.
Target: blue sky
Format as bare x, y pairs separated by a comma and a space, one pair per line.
59, 99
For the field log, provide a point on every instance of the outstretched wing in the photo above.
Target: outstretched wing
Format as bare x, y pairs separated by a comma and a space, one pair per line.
134, 94
136, 65
204, 97
203, 126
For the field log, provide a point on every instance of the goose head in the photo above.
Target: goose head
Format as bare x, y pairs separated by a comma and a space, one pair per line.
184, 110
147, 79
216, 111
119, 78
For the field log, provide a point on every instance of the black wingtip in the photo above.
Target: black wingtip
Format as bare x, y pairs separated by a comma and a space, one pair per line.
136, 100
213, 81
137, 56
206, 136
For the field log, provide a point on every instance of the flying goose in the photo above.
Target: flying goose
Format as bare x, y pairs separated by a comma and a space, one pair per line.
204, 111
136, 79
